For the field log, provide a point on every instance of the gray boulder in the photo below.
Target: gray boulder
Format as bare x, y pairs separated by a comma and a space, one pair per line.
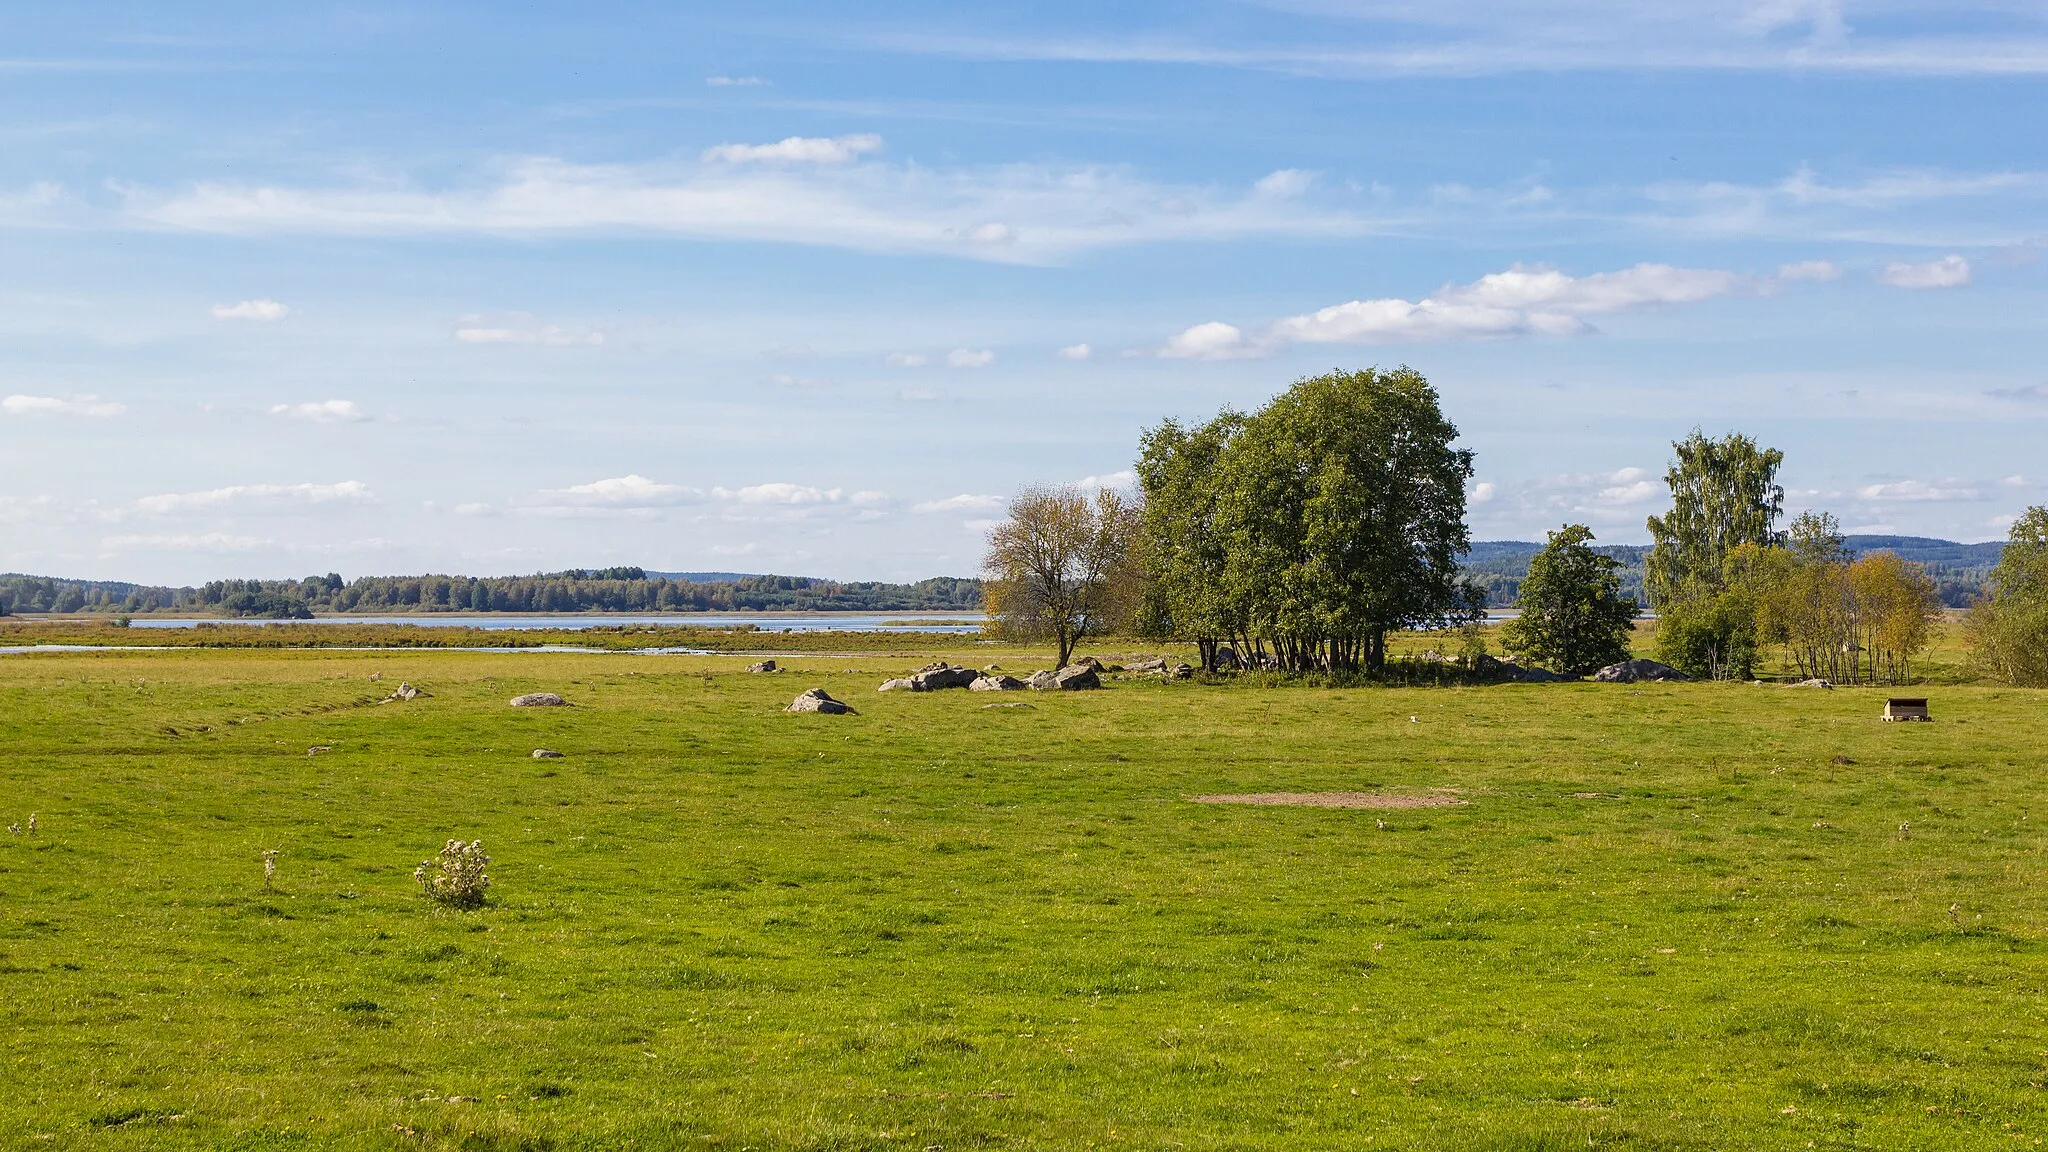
546, 754
1630, 671
1072, 678
1157, 664
539, 700
932, 677
996, 682
1042, 679
818, 700
763, 666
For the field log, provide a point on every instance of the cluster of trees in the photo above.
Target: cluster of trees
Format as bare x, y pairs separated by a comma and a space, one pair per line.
1298, 535
575, 590
1727, 584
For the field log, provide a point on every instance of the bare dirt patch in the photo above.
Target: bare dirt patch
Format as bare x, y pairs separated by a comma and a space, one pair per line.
1337, 799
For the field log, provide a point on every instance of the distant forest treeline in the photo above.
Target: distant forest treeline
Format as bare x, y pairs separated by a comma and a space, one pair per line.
1958, 570
1498, 566
576, 590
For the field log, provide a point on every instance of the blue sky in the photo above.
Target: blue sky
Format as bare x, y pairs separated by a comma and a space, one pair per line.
801, 288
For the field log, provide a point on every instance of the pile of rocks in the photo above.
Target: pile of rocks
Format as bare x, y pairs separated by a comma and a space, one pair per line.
1160, 666
937, 676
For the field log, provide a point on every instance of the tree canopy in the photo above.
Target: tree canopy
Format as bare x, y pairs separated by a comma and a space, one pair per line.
1724, 497
1306, 531
1574, 617
2009, 626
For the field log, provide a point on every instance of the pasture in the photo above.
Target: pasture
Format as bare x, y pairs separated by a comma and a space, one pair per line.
1666, 916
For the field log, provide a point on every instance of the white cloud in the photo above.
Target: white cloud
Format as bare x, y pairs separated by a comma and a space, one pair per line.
1947, 272
322, 411
735, 82
965, 502
475, 509
1123, 479
1482, 493
970, 358
630, 491
93, 406
1047, 212
786, 380
1918, 491
1815, 270
256, 494
2015, 482
261, 310
797, 150
1522, 301
1214, 340
1286, 182
522, 329
778, 493
916, 395
181, 542
906, 360
1076, 352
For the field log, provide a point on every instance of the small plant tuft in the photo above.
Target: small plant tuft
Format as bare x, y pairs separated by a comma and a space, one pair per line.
269, 866
456, 877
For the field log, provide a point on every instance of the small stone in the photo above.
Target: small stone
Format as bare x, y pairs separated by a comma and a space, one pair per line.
546, 754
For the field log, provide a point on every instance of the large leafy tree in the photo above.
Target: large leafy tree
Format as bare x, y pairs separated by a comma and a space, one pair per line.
1308, 530
1060, 567
2009, 626
1573, 616
1724, 495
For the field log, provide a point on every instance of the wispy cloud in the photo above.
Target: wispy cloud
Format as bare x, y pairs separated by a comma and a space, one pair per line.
522, 328
1947, 272
734, 82
185, 542
322, 411
629, 491
1017, 213
1819, 271
256, 495
1916, 491
797, 150
260, 310
1525, 300
906, 360
1075, 352
92, 406
970, 358
1471, 37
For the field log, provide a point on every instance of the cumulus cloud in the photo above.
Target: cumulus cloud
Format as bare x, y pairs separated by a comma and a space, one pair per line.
1123, 479
630, 491
88, 405
522, 329
1286, 182
1482, 493
965, 502
322, 411
797, 150
906, 360
1076, 352
261, 310
1213, 340
244, 495
970, 358
1947, 272
1917, 491
1524, 300
779, 493
1816, 270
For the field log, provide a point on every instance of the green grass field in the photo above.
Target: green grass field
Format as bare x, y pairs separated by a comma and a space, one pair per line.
1669, 917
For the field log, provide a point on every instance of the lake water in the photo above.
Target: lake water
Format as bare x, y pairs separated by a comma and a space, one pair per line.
938, 622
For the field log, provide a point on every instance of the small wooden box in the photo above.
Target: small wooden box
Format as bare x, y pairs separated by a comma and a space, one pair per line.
1907, 708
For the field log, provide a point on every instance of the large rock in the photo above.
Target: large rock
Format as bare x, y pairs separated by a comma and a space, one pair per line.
933, 678
539, 700
1072, 678
1156, 664
763, 666
996, 682
818, 700
1042, 679
1630, 671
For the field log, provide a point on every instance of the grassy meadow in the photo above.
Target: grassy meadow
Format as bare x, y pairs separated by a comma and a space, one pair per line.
1687, 916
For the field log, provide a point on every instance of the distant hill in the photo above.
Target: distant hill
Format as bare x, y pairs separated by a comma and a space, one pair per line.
1958, 570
